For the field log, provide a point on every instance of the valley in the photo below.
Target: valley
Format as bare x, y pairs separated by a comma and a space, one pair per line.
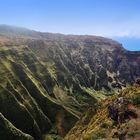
47, 82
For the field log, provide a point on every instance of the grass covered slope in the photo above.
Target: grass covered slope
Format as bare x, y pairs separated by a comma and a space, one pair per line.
10, 132
24, 100
48, 80
98, 125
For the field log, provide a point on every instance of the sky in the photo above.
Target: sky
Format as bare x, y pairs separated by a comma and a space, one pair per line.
117, 19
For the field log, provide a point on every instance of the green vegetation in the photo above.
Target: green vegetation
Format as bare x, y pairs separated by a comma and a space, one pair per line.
96, 94
10, 132
49, 80
136, 100
101, 126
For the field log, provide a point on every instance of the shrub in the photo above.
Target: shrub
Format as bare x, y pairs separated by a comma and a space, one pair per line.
105, 125
136, 100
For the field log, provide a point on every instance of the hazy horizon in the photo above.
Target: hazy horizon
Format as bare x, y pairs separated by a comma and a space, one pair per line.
115, 19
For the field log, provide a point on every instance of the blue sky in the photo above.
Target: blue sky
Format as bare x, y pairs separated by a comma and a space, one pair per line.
117, 19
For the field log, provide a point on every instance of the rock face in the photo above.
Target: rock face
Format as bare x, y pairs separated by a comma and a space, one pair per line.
48, 80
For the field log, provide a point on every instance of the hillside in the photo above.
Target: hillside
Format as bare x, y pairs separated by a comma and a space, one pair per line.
48, 80
98, 125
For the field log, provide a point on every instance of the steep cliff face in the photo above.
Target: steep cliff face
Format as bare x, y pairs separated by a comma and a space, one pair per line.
48, 80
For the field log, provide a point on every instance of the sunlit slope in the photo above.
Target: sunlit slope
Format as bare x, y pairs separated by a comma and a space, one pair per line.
96, 124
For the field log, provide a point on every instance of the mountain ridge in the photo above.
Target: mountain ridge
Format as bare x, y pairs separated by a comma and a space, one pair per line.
52, 79
4, 28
